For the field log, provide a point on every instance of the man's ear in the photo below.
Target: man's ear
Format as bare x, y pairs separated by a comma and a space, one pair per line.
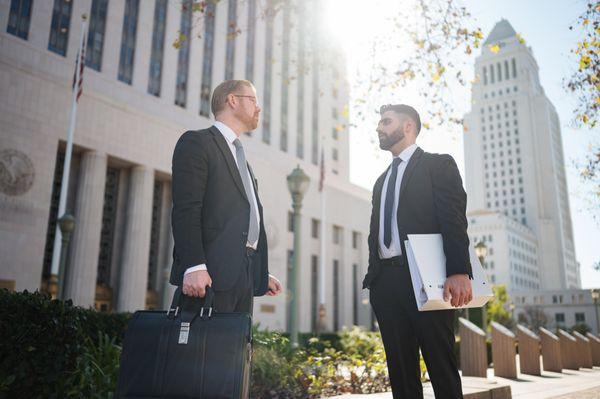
231, 100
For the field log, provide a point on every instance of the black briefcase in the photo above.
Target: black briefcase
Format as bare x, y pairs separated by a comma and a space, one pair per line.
191, 351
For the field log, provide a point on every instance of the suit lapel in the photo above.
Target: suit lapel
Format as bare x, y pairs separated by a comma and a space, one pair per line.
412, 163
233, 169
377, 188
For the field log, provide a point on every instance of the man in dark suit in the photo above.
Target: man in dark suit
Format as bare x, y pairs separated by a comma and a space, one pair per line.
419, 193
217, 217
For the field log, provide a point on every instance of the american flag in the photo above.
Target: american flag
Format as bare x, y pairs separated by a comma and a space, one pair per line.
81, 56
322, 177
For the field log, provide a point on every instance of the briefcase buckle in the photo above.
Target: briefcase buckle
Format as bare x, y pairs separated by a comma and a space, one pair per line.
184, 333
202, 312
170, 310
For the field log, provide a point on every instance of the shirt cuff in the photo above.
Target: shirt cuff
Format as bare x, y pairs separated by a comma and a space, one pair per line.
195, 268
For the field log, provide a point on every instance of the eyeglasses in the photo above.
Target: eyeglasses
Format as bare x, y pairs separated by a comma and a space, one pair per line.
252, 97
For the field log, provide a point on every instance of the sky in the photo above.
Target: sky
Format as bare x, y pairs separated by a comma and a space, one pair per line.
544, 25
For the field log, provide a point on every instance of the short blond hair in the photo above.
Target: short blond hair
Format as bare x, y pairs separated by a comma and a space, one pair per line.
219, 96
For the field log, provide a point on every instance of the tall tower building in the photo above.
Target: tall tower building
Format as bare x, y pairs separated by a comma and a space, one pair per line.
514, 161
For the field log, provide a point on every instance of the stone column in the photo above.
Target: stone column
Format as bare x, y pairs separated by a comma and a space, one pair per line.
167, 288
165, 258
136, 241
85, 243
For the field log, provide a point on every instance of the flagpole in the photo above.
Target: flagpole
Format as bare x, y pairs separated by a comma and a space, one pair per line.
62, 204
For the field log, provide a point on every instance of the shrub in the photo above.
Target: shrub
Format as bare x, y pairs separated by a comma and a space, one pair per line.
42, 340
97, 369
52, 349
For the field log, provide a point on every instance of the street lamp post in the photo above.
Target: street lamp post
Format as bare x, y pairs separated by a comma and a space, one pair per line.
478, 315
595, 297
297, 184
67, 224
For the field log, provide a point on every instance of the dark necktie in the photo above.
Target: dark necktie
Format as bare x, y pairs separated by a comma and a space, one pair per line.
389, 203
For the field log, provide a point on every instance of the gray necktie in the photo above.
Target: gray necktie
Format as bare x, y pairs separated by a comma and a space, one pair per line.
243, 169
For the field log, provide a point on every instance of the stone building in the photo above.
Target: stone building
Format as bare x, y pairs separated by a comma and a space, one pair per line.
141, 92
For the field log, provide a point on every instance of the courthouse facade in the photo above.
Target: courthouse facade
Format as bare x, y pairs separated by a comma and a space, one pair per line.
141, 92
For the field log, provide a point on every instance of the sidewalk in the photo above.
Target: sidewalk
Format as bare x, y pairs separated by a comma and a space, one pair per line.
570, 384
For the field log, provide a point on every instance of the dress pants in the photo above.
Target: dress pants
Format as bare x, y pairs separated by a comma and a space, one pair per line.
404, 330
240, 298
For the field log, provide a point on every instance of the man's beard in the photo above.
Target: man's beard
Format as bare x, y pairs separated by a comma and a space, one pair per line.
390, 140
250, 122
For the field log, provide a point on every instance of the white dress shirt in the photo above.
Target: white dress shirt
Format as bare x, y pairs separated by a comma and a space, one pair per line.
395, 248
230, 137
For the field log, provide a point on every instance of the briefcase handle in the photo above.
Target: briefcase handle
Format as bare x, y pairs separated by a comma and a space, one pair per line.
184, 304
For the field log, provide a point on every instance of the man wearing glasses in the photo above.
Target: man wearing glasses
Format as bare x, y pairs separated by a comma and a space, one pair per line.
217, 216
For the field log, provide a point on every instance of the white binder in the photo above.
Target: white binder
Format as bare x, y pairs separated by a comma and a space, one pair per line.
427, 263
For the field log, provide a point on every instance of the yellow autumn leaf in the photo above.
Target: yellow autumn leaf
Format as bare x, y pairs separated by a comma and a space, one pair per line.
340, 127
597, 100
520, 38
426, 125
179, 41
494, 48
438, 73
345, 111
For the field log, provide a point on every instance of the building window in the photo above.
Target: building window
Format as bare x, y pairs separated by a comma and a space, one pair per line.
158, 46
355, 239
514, 69
207, 59
285, 78
95, 40
492, 77
499, 68
128, 41
337, 234
266, 133
59, 28
290, 223
485, 76
560, 318
183, 59
336, 295
314, 294
231, 36
315, 225
153, 264
19, 18
506, 72
109, 212
251, 31
315, 98
301, 73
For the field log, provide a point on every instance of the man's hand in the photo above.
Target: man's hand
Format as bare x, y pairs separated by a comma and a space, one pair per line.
457, 290
194, 283
274, 286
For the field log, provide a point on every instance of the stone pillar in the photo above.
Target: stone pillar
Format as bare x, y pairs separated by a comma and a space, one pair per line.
167, 288
166, 248
136, 241
80, 284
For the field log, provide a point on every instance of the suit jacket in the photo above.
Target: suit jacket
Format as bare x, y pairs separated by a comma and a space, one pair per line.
211, 213
432, 200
